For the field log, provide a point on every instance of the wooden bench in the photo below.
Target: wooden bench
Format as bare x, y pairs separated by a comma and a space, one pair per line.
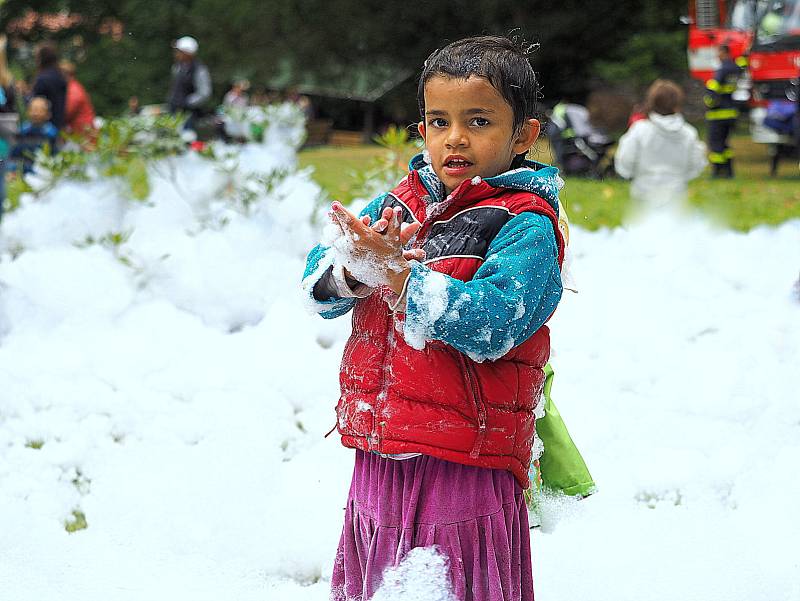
340, 137
318, 131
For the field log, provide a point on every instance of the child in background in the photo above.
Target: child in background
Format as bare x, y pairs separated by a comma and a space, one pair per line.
237, 96
35, 133
637, 114
663, 152
451, 277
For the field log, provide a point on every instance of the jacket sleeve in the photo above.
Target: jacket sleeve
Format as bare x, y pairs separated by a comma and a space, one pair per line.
711, 96
317, 284
625, 157
512, 294
202, 86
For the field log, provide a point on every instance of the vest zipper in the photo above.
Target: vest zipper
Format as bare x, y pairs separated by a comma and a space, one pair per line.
469, 375
375, 439
480, 406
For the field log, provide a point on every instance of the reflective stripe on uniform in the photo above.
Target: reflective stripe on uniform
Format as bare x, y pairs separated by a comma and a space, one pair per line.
741, 61
717, 158
720, 88
720, 114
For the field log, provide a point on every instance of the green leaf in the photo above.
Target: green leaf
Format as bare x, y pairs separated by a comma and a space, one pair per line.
14, 191
76, 522
137, 179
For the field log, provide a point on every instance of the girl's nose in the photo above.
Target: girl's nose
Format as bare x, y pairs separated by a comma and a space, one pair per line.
456, 137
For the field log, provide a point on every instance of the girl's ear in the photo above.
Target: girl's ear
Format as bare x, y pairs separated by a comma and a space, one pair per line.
527, 136
421, 129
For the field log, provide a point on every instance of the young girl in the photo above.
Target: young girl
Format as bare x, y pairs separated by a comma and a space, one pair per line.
451, 277
663, 152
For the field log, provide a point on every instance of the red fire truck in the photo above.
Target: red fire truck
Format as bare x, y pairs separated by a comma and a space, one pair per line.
767, 30
775, 51
716, 22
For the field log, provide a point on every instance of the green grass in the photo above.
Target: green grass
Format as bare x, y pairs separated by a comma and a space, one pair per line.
335, 167
753, 198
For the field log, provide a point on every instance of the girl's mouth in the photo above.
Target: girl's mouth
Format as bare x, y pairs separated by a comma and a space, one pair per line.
456, 166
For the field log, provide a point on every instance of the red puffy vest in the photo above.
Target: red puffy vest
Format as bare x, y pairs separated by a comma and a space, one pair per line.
438, 401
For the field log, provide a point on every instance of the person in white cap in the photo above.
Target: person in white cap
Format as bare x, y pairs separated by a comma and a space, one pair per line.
190, 88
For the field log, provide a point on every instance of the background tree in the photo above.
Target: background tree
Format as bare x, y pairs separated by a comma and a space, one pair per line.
582, 45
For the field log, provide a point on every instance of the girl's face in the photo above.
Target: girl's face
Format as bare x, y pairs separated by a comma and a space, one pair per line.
469, 129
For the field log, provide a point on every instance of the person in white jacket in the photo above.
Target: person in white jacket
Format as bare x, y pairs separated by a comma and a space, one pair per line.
662, 153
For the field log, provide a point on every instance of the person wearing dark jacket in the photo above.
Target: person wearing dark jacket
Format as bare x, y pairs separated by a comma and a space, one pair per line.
722, 112
8, 117
190, 88
50, 83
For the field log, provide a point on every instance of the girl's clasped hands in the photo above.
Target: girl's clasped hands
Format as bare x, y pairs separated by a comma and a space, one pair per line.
373, 253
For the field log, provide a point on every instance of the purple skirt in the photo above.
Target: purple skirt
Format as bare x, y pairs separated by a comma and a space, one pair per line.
475, 516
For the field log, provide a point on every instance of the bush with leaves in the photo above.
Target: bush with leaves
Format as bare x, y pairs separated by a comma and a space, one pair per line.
132, 165
386, 170
122, 148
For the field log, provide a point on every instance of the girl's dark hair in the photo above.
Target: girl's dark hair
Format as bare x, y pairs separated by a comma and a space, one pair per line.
47, 55
502, 61
664, 97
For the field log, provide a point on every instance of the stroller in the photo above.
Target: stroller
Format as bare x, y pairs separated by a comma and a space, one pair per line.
782, 117
580, 148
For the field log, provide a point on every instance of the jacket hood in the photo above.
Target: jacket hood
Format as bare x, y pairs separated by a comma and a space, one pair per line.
538, 178
672, 122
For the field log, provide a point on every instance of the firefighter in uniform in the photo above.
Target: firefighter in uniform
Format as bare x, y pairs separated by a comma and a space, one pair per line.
721, 111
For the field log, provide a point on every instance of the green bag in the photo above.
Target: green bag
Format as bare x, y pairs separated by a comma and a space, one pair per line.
561, 468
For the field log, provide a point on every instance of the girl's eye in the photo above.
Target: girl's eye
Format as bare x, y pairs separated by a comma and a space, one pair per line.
480, 122
437, 122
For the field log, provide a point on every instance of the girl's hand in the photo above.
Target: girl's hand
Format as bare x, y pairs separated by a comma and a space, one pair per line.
407, 231
376, 257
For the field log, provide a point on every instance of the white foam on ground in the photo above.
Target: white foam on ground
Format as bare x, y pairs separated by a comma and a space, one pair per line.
180, 401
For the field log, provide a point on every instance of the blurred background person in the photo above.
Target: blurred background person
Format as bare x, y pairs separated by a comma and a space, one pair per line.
637, 114
294, 96
79, 114
8, 117
190, 88
50, 83
234, 126
661, 153
237, 96
722, 112
133, 107
34, 133
8, 103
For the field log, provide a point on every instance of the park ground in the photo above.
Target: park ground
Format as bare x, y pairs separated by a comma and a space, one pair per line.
753, 198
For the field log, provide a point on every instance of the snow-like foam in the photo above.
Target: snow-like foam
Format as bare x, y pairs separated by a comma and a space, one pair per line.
422, 575
173, 391
431, 299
